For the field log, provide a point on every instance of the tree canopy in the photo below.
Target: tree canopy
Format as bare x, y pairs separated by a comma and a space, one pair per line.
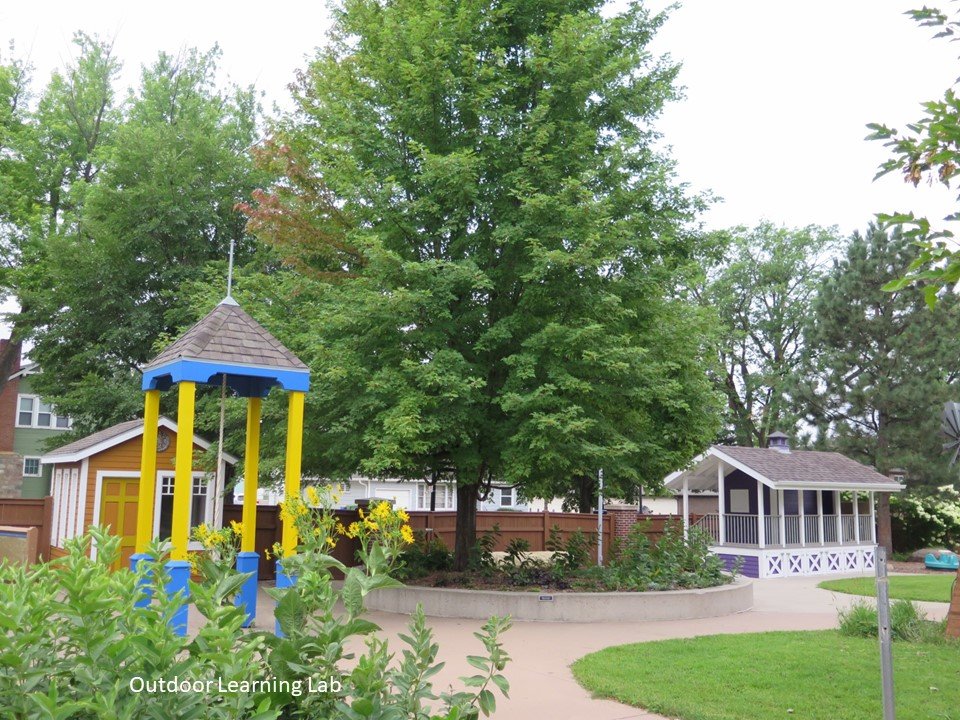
763, 291
112, 205
880, 364
491, 248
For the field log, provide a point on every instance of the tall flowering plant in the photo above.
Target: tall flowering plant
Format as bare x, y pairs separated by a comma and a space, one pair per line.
316, 632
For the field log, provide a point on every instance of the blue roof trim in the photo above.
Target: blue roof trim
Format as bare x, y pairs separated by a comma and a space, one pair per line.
246, 380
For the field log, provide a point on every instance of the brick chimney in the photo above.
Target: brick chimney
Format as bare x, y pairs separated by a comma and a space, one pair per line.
8, 395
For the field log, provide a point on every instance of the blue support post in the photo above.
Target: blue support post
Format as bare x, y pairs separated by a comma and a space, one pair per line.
248, 562
145, 589
179, 571
283, 581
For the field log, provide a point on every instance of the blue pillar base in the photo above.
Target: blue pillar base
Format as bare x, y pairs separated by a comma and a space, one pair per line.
179, 571
283, 581
146, 592
248, 562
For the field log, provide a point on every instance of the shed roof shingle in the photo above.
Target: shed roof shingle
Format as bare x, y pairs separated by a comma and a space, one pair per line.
805, 466
227, 334
89, 441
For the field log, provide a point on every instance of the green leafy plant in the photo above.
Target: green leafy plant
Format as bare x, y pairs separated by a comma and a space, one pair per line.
908, 623
481, 557
74, 641
424, 556
673, 562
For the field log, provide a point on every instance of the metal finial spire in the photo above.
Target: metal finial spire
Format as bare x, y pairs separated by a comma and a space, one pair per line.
229, 298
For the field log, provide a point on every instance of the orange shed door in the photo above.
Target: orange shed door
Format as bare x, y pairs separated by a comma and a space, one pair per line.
118, 509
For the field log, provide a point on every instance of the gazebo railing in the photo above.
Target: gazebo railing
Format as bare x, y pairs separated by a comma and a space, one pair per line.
741, 529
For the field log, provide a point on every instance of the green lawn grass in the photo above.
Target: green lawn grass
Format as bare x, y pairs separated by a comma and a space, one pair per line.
934, 588
818, 675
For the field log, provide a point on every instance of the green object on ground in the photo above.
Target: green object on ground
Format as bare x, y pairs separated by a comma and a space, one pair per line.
929, 588
814, 675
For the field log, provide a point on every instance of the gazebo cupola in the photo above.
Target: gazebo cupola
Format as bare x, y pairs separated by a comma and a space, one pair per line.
227, 346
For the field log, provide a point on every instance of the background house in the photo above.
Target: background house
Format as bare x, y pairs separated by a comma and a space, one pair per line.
27, 423
411, 495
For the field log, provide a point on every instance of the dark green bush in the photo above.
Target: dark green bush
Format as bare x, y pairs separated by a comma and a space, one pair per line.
424, 557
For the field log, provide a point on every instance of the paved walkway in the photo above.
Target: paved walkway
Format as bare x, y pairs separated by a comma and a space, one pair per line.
542, 685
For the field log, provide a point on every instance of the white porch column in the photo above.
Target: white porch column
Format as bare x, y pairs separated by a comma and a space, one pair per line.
803, 522
837, 516
686, 507
722, 506
873, 518
781, 517
761, 517
820, 514
856, 517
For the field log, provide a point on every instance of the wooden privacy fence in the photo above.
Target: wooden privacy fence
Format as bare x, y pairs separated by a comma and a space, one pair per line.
30, 512
534, 527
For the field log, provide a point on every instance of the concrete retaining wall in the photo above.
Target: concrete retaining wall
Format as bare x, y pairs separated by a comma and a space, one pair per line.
567, 606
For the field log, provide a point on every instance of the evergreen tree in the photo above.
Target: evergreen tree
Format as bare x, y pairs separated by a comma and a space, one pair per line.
882, 364
491, 247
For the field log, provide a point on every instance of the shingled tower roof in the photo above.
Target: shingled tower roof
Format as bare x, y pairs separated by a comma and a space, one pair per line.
228, 344
227, 334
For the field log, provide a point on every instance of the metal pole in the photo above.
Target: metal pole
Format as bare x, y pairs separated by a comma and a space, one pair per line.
600, 518
883, 621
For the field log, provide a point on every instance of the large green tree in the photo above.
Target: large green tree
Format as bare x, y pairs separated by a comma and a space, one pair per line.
762, 292
882, 363
119, 204
490, 247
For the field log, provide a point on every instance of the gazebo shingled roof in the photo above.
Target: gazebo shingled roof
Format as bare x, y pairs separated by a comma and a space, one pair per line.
228, 334
228, 341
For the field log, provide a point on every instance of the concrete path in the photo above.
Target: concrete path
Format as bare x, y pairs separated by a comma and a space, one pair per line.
542, 685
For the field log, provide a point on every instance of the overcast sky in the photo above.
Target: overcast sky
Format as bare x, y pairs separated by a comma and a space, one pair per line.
777, 93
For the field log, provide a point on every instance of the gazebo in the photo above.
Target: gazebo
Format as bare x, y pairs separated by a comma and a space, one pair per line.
782, 511
225, 346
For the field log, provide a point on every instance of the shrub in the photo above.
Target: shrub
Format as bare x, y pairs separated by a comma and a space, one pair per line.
423, 557
73, 638
572, 555
673, 562
926, 520
481, 555
908, 623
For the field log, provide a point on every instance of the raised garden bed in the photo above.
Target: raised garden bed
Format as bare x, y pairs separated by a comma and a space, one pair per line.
549, 606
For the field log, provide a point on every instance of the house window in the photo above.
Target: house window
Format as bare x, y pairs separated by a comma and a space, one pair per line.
33, 412
507, 497
199, 505
444, 499
31, 467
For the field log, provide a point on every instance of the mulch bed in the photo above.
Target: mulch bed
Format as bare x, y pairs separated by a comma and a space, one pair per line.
912, 568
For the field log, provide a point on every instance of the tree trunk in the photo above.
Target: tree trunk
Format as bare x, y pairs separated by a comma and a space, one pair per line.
586, 493
466, 533
884, 528
953, 615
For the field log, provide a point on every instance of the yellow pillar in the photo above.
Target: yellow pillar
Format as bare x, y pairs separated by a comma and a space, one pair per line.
183, 473
148, 470
291, 483
251, 469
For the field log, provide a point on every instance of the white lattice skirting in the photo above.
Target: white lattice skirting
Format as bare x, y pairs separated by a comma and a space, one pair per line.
785, 562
